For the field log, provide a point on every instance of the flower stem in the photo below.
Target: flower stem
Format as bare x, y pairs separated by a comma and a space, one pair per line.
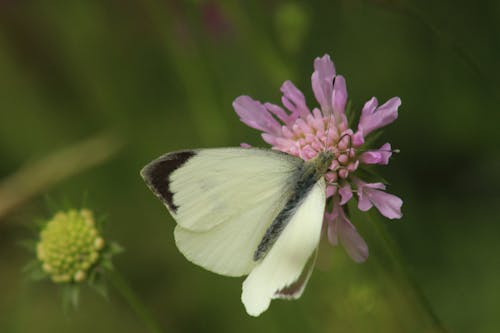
135, 303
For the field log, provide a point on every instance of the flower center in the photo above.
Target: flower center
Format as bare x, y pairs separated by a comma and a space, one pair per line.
307, 137
345, 160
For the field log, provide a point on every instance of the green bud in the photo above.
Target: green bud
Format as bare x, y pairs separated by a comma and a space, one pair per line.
69, 246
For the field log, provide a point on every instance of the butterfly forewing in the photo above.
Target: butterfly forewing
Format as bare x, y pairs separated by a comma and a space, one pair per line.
223, 200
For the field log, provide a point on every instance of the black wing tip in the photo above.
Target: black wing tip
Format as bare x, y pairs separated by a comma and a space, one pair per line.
156, 174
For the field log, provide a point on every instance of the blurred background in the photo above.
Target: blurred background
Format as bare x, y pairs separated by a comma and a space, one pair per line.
140, 78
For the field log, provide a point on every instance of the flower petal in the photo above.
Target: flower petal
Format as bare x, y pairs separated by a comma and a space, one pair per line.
369, 107
255, 115
339, 99
332, 234
293, 99
341, 229
358, 138
321, 80
331, 225
380, 156
353, 243
271, 139
278, 112
330, 190
345, 193
364, 203
388, 204
324, 67
372, 194
373, 118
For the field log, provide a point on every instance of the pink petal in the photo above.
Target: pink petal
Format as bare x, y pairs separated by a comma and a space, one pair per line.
324, 67
358, 138
293, 99
255, 115
375, 186
364, 203
373, 118
271, 139
369, 107
321, 81
353, 243
339, 99
277, 111
388, 205
341, 229
372, 194
380, 156
345, 193
330, 190
332, 233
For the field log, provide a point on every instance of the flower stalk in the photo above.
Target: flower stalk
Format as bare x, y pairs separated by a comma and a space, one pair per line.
125, 290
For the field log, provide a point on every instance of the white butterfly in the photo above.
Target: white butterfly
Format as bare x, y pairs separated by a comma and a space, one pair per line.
246, 211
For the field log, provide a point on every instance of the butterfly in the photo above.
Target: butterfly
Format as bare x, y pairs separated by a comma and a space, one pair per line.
246, 211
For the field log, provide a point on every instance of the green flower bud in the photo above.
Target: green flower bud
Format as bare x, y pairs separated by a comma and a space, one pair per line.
69, 246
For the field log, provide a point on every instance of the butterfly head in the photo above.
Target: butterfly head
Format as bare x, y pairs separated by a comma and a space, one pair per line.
323, 161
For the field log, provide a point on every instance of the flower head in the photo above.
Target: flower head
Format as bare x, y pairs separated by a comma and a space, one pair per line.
300, 131
71, 251
69, 246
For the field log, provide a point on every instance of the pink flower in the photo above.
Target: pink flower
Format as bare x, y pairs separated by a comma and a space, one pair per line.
304, 132
373, 195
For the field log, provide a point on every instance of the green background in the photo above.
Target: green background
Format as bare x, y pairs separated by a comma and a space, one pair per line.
162, 76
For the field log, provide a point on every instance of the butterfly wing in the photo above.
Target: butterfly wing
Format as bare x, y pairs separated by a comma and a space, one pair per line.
284, 272
223, 200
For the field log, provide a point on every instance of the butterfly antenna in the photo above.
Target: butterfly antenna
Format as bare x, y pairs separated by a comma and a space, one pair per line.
395, 151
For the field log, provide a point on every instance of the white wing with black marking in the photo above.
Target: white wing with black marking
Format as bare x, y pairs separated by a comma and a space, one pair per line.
223, 201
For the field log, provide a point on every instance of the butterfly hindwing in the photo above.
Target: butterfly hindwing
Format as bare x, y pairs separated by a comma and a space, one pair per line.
283, 272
